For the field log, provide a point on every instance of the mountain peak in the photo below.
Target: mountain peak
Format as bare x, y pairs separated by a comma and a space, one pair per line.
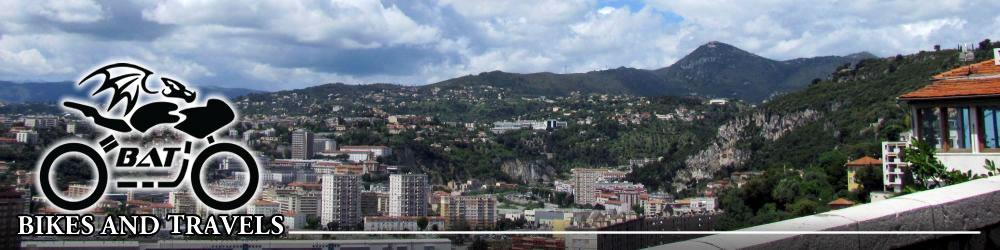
862, 55
713, 44
716, 48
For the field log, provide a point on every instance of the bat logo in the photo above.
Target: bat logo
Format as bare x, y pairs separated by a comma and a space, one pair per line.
126, 84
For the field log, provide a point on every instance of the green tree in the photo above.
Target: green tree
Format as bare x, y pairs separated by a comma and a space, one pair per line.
833, 162
787, 190
638, 209
870, 179
312, 222
804, 207
924, 165
736, 212
422, 223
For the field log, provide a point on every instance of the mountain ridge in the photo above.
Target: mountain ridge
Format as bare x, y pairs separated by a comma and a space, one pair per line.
714, 69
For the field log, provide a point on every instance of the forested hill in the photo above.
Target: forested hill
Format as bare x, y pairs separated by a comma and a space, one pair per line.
722, 70
714, 69
858, 108
845, 116
802, 140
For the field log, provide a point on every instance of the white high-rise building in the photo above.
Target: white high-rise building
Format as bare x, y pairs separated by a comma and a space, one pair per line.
585, 180
341, 200
302, 144
27, 136
408, 195
893, 167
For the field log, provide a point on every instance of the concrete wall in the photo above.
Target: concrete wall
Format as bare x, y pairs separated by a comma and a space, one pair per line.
972, 205
967, 161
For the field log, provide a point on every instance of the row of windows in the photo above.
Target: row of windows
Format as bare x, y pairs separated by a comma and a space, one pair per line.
957, 130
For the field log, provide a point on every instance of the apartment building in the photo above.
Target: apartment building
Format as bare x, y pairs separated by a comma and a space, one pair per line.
302, 144
585, 180
374, 203
408, 195
893, 167
341, 200
477, 212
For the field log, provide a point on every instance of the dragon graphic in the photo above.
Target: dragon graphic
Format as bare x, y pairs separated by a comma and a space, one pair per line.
125, 82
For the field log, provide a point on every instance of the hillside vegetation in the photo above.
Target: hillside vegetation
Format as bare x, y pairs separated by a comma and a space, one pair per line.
856, 109
714, 69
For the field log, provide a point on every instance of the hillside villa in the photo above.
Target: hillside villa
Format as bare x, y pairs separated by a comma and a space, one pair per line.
958, 115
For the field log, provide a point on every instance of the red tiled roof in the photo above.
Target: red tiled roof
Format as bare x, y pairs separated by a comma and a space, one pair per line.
987, 67
957, 88
841, 201
864, 162
980, 79
265, 203
305, 185
161, 205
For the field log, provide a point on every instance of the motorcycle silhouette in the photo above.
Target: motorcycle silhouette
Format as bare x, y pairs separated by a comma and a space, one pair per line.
198, 122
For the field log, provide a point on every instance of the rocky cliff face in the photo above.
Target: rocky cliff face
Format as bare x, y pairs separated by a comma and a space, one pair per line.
726, 151
529, 172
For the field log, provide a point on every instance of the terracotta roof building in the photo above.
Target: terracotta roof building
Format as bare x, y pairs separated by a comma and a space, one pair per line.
840, 203
971, 81
865, 161
853, 184
959, 114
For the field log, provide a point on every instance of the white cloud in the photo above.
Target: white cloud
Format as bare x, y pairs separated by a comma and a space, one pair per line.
275, 44
349, 24
787, 29
72, 11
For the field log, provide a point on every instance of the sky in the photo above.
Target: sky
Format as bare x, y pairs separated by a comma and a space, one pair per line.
274, 45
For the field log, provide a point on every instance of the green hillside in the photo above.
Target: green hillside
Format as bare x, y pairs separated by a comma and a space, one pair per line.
712, 70
858, 109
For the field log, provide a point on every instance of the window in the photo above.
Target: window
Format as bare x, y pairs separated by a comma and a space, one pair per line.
989, 123
959, 128
930, 126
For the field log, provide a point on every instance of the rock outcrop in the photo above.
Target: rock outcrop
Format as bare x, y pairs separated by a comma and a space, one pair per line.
726, 152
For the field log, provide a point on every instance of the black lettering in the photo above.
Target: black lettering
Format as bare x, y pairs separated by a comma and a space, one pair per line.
126, 157
169, 158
